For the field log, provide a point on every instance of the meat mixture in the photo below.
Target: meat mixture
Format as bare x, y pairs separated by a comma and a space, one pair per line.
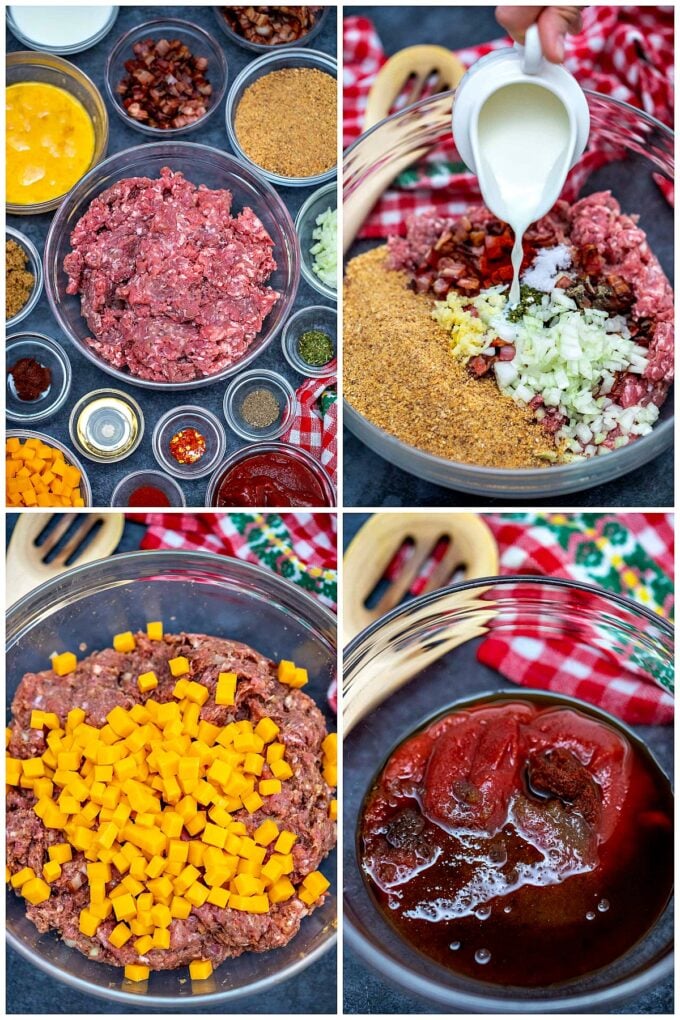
109, 678
173, 286
589, 348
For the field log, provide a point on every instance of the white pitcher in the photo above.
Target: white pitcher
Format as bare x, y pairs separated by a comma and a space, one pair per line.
520, 123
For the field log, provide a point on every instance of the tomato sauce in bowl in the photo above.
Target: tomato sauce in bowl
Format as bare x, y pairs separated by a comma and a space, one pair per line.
520, 841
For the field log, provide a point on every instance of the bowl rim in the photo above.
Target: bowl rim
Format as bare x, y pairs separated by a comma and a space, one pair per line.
175, 469
275, 380
497, 1002
327, 371
154, 24
165, 558
331, 188
38, 274
317, 58
145, 472
263, 47
503, 580
71, 70
70, 456
267, 194
473, 477
56, 349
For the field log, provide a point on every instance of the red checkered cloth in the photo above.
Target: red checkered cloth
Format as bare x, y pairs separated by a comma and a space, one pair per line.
315, 426
622, 52
631, 554
302, 547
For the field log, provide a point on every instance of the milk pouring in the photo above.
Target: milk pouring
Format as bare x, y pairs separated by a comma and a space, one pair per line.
520, 123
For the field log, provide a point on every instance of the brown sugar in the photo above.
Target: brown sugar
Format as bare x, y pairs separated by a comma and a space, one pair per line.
399, 374
286, 122
19, 282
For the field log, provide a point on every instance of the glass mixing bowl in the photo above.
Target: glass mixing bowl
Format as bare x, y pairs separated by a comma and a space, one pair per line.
200, 164
641, 149
191, 591
416, 662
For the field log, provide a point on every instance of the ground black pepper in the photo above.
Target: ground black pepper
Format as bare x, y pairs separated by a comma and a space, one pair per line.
30, 378
260, 408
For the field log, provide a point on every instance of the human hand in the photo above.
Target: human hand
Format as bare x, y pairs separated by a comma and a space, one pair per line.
553, 25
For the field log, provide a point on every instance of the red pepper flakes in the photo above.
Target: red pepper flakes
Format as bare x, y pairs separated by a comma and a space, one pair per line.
188, 446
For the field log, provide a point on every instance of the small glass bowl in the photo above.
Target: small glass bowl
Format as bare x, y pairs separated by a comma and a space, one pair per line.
157, 479
315, 317
305, 224
248, 382
276, 61
98, 395
189, 417
49, 69
262, 47
35, 267
294, 452
199, 42
53, 356
84, 44
69, 457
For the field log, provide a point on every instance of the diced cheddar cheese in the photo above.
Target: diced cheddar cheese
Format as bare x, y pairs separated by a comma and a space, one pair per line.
158, 801
200, 969
38, 475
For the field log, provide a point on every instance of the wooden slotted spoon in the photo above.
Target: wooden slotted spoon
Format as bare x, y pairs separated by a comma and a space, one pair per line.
27, 565
471, 547
415, 67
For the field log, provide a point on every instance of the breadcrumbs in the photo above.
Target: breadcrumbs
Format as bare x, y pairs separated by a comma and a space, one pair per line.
286, 122
400, 375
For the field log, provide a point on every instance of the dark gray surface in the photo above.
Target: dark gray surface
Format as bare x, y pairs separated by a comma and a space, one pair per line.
369, 480
366, 992
31, 992
86, 376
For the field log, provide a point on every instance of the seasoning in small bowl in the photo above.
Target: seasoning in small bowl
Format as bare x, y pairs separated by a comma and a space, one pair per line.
282, 116
147, 488
189, 442
38, 377
259, 404
106, 425
309, 341
23, 276
166, 76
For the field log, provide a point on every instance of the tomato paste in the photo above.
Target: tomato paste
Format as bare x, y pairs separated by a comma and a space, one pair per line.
501, 840
271, 479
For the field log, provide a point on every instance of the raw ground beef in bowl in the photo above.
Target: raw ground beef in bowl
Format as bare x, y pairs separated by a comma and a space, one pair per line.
106, 682
171, 265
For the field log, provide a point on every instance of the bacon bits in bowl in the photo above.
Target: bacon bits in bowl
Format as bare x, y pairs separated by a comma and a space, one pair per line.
172, 265
166, 77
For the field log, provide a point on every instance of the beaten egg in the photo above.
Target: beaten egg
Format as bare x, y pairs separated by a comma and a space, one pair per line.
50, 142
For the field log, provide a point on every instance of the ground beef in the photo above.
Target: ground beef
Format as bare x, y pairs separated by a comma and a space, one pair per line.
614, 243
172, 286
109, 678
471, 252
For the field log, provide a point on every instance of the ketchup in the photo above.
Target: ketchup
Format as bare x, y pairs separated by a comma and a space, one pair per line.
271, 479
503, 838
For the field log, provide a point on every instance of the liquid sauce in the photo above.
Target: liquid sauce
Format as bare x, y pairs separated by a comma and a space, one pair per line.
271, 479
524, 150
520, 844
50, 142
